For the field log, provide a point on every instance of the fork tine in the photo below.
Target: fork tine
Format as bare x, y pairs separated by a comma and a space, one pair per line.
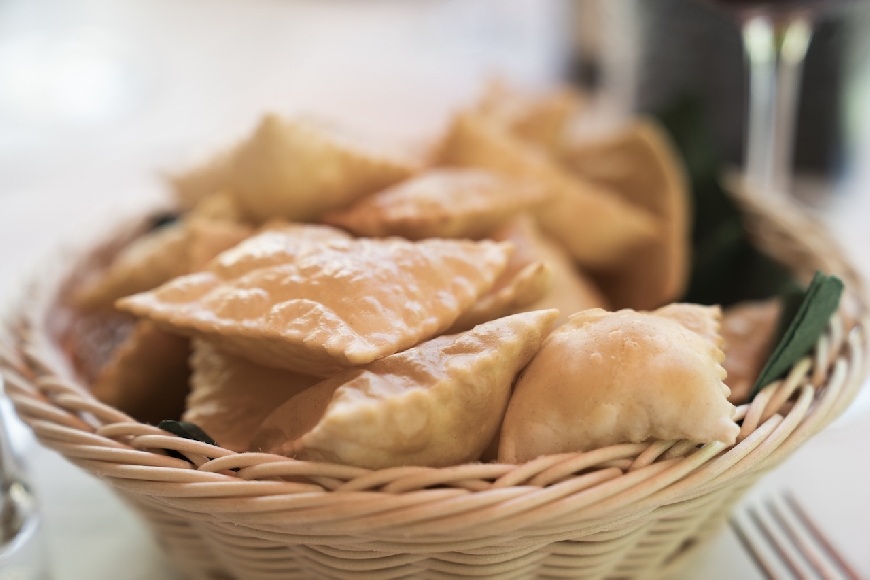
816, 533
760, 560
782, 549
807, 549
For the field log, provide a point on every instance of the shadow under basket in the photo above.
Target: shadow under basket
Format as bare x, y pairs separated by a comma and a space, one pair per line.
631, 511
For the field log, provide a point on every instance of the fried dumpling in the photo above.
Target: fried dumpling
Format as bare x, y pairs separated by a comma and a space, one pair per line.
519, 287
436, 404
606, 378
543, 119
231, 396
748, 329
640, 165
441, 203
147, 376
276, 243
195, 185
299, 170
597, 227
570, 290
317, 307
152, 259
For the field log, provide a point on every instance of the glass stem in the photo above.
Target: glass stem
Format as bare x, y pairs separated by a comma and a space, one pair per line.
776, 46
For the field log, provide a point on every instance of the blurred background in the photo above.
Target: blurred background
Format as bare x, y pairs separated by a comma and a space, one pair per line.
101, 98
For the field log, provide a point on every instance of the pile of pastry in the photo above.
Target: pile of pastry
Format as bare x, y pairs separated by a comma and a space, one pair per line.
506, 293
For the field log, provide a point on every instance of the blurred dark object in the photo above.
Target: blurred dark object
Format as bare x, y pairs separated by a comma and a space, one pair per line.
690, 47
726, 267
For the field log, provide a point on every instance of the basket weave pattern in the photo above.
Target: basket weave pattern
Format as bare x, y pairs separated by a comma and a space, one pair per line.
627, 511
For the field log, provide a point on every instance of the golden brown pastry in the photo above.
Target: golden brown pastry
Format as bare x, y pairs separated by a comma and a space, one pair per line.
220, 205
640, 165
316, 307
436, 404
605, 378
147, 375
519, 287
597, 227
542, 119
230, 396
195, 185
299, 170
276, 243
748, 329
440, 203
570, 290
159, 256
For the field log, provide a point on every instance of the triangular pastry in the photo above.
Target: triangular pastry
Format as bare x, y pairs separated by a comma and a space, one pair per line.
596, 226
640, 165
441, 203
748, 330
147, 375
158, 256
299, 170
519, 287
331, 304
569, 290
606, 378
193, 186
543, 119
436, 404
231, 396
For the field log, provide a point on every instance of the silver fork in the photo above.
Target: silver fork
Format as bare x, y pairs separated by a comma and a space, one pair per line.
780, 530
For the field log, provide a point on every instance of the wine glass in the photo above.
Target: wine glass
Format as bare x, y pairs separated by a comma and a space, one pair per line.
22, 551
776, 35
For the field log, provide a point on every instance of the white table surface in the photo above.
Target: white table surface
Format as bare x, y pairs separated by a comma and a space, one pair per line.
152, 84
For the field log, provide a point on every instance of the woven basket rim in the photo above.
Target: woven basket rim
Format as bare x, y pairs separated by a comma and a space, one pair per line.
588, 492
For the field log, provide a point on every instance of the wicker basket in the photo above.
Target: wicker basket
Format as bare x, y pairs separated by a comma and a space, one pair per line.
626, 511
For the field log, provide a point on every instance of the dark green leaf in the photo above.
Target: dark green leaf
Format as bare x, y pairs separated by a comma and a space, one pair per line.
186, 430
804, 327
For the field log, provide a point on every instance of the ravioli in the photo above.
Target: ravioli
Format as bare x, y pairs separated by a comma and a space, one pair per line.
231, 396
640, 165
441, 203
299, 170
436, 404
193, 186
147, 375
569, 290
748, 330
606, 378
597, 227
317, 307
159, 256
543, 119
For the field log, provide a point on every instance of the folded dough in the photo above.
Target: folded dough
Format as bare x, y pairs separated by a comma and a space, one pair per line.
299, 170
147, 375
319, 306
748, 330
230, 396
519, 287
597, 227
543, 119
193, 186
441, 203
605, 378
437, 404
158, 256
640, 165
569, 290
